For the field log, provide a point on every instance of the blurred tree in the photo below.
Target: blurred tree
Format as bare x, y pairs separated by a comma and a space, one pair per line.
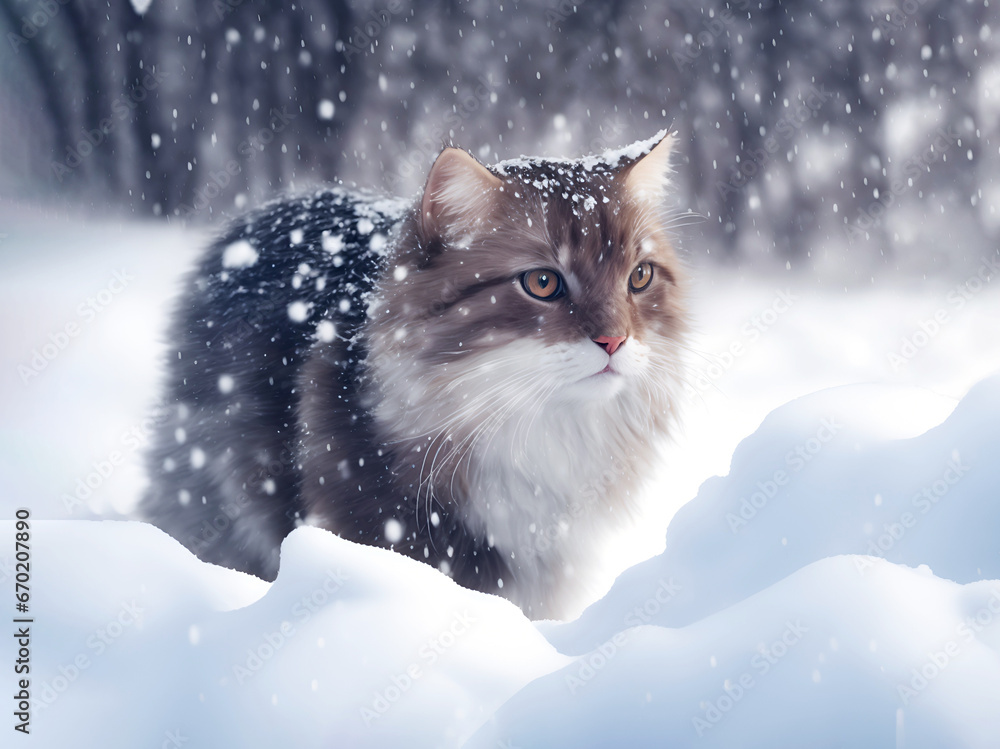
804, 125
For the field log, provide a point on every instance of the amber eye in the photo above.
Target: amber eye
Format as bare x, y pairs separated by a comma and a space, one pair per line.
542, 284
641, 276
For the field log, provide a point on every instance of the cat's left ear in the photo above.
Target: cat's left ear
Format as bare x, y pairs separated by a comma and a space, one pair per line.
647, 178
459, 191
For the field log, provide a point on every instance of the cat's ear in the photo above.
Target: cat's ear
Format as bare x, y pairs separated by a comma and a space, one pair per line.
459, 191
647, 178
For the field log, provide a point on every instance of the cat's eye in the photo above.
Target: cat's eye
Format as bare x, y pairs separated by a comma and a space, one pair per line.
641, 277
542, 284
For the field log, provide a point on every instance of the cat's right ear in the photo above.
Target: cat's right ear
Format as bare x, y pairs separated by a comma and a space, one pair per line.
459, 192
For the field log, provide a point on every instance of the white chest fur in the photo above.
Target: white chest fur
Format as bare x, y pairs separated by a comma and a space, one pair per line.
547, 495
548, 456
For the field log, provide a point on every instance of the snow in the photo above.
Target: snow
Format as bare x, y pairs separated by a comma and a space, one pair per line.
378, 242
198, 458
240, 254
114, 655
767, 636
393, 530
608, 159
326, 331
332, 243
829, 575
825, 658
298, 311
325, 109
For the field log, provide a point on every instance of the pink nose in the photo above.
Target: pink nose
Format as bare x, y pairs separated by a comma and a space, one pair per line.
609, 343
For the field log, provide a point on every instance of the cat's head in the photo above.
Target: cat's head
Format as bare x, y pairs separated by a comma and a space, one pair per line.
529, 283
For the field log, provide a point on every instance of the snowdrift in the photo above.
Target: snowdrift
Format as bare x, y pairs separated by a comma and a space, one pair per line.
839, 587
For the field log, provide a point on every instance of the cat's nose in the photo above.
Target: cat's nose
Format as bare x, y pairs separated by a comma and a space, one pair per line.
609, 343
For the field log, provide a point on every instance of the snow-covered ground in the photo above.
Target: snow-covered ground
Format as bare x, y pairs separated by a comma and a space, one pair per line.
830, 576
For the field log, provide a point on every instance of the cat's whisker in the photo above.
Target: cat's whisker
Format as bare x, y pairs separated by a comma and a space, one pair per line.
484, 399
700, 354
668, 221
501, 422
691, 378
466, 447
685, 377
498, 415
496, 393
535, 411
469, 373
437, 427
492, 424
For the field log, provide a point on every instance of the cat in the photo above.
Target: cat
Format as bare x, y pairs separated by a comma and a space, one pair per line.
478, 380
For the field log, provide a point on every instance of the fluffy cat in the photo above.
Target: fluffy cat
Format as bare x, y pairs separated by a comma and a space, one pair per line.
477, 380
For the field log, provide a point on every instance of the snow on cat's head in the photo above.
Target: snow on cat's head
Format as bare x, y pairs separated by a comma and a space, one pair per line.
529, 284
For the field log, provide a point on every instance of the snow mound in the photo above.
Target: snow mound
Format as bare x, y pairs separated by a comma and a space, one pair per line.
825, 658
141, 644
840, 587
